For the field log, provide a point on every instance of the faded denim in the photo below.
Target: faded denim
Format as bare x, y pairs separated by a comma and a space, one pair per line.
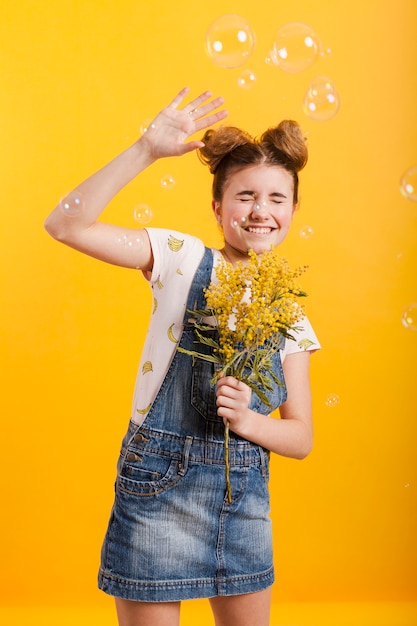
172, 535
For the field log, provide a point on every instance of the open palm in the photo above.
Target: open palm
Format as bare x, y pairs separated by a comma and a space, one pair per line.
168, 133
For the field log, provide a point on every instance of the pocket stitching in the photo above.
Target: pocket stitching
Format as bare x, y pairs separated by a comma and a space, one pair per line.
150, 488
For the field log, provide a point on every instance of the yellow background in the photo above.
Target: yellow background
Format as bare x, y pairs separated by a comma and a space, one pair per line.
78, 79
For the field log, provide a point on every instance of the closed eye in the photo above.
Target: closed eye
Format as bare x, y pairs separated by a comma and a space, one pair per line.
278, 197
246, 196
250, 196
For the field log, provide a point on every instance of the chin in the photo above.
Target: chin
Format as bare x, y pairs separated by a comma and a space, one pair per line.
263, 246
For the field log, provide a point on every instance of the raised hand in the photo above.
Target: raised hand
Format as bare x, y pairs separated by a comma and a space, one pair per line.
168, 133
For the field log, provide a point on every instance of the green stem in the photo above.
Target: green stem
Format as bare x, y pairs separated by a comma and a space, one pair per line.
227, 462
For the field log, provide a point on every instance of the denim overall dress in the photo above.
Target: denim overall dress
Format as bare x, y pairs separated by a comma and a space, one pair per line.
172, 533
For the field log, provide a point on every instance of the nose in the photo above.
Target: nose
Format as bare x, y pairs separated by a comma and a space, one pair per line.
259, 209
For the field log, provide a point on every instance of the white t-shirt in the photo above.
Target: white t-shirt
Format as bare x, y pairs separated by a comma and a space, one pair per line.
176, 259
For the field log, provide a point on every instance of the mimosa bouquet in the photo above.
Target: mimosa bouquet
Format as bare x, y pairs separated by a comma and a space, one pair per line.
253, 307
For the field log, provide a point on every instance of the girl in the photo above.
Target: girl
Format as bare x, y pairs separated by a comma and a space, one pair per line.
173, 535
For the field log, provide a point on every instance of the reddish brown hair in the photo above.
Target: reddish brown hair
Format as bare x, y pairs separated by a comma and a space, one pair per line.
228, 149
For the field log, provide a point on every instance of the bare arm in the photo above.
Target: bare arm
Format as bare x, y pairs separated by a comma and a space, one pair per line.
290, 436
167, 135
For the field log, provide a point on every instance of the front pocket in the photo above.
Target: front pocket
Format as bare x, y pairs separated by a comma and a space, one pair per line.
148, 474
149, 469
203, 392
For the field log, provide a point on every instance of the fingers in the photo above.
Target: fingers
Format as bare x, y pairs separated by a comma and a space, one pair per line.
233, 398
230, 390
199, 108
179, 97
195, 104
190, 146
210, 120
176, 123
230, 381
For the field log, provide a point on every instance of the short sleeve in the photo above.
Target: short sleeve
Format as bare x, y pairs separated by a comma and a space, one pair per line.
305, 339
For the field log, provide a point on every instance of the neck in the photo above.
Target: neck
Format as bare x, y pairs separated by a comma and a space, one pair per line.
231, 255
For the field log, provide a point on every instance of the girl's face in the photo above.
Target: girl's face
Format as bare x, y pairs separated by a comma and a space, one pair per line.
256, 209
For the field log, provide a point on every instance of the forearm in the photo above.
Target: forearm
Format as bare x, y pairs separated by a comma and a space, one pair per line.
286, 437
167, 136
97, 191
292, 435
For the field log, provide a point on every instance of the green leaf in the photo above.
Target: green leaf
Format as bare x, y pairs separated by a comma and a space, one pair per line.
258, 392
207, 341
275, 378
201, 312
198, 355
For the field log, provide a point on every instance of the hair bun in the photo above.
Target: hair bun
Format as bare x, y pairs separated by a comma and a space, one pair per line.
220, 142
288, 139
227, 149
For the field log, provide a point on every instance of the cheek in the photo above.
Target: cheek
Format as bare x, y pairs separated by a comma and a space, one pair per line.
233, 218
284, 215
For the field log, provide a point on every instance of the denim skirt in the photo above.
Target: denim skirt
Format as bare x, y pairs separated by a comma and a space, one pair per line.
172, 533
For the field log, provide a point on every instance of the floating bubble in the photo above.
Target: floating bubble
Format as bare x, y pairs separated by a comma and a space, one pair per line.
143, 213
130, 240
247, 79
230, 41
259, 206
332, 400
239, 221
409, 317
321, 101
168, 181
269, 59
145, 125
408, 184
327, 51
71, 204
295, 48
306, 232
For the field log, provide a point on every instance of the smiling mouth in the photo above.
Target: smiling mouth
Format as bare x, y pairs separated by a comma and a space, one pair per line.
259, 230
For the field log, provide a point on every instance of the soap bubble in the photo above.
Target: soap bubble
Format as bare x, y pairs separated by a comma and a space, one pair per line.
130, 240
295, 48
271, 59
259, 206
332, 400
143, 213
326, 51
306, 232
321, 101
239, 221
168, 181
409, 317
71, 204
146, 125
408, 184
230, 41
247, 79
